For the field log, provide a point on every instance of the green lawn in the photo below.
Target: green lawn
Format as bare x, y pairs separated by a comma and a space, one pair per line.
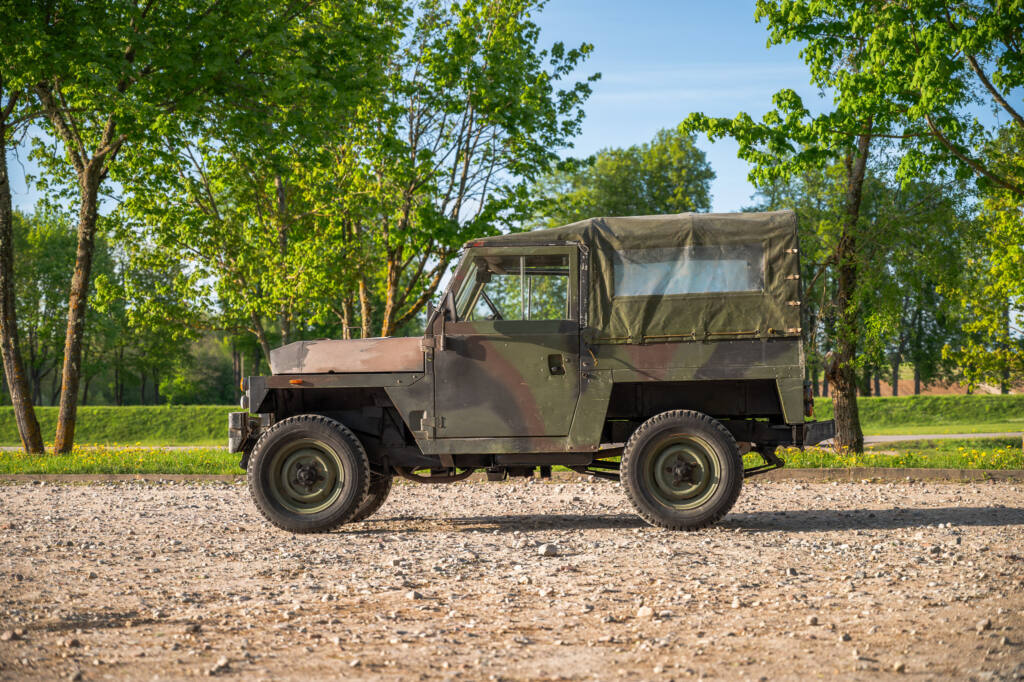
205, 425
132, 424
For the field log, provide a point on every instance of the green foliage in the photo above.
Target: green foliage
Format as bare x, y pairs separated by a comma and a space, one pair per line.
992, 289
352, 214
669, 174
134, 424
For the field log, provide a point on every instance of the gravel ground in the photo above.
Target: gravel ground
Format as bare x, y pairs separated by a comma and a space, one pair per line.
514, 581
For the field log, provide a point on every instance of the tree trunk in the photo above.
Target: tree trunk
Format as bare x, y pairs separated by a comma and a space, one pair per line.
14, 371
364, 309
156, 387
261, 336
878, 383
89, 182
236, 370
824, 385
917, 381
896, 377
346, 318
142, 387
844, 394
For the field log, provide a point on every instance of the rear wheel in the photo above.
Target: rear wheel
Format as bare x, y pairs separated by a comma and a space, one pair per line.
308, 474
682, 470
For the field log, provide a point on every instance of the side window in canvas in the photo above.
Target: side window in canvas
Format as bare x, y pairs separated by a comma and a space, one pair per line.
516, 287
703, 269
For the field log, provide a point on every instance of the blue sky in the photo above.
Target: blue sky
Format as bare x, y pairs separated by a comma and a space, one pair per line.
661, 60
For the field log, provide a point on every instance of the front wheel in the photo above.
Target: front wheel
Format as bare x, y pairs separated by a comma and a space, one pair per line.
682, 470
308, 474
380, 486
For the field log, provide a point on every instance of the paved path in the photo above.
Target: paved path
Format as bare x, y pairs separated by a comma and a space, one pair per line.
940, 436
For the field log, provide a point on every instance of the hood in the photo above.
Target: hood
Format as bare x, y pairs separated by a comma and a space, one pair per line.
355, 356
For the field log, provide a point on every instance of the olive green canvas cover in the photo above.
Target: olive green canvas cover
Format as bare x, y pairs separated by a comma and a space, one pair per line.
682, 302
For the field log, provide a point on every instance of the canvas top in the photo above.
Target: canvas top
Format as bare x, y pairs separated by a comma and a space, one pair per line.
698, 276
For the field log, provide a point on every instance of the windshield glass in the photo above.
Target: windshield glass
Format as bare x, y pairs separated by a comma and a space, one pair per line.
515, 287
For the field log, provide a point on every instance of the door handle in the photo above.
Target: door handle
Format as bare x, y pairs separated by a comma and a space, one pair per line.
555, 366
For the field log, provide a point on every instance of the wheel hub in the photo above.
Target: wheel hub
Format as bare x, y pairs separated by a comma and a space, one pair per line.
307, 475
681, 470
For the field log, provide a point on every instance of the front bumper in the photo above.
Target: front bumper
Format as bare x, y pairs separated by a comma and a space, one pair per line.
244, 429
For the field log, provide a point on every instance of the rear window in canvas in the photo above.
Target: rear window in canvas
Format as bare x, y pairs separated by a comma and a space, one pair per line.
689, 270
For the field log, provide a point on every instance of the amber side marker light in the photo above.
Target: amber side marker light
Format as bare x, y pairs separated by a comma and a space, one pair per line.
295, 381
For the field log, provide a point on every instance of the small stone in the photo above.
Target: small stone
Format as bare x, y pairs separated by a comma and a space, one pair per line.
412, 595
92, 575
791, 571
845, 637
354, 663
812, 620
659, 669
76, 676
1004, 641
899, 667
72, 643
548, 549
8, 636
984, 624
736, 603
645, 612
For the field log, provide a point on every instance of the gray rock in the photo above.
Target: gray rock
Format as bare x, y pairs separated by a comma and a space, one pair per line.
548, 549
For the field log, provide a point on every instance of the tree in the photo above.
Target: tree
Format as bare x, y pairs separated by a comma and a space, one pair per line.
899, 74
354, 216
992, 289
15, 115
669, 174
115, 74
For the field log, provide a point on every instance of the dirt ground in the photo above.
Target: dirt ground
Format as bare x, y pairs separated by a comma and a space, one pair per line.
158, 581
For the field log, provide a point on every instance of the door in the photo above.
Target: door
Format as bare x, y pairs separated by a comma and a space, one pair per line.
510, 366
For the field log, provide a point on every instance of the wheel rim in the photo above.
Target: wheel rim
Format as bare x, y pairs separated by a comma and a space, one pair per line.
306, 476
682, 471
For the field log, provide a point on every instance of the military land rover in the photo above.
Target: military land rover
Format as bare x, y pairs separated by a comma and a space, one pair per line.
654, 350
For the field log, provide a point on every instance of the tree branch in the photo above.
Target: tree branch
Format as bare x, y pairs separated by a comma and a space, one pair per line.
995, 93
971, 163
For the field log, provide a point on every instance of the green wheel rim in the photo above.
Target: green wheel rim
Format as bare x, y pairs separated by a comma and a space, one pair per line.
682, 471
306, 476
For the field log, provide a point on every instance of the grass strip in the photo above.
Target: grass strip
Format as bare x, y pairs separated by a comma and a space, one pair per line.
998, 453
123, 460
981, 453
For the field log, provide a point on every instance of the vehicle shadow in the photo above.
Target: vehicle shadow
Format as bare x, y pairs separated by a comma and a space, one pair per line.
817, 520
801, 520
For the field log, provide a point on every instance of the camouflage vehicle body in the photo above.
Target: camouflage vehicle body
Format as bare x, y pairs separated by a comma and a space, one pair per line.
639, 316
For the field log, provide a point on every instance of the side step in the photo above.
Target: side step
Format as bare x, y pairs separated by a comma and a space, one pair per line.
600, 468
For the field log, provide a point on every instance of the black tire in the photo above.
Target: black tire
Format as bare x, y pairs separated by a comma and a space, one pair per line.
308, 474
380, 487
682, 470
